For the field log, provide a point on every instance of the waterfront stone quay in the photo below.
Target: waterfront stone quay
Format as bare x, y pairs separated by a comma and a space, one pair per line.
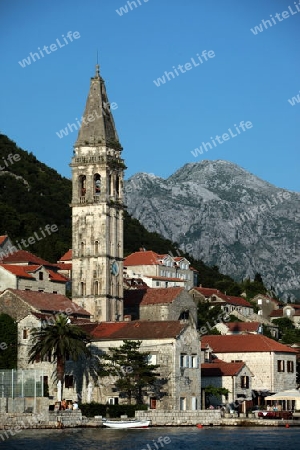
12, 423
209, 418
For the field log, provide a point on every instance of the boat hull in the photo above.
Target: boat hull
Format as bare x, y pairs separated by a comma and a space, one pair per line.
124, 424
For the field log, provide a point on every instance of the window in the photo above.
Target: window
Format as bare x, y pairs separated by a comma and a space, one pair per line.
97, 184
113, 401
96, 247
69, 381
54, 292
25, 333
184, 360
82, 185
194, 403
290, 366
244, 382
280, 365
152, 359
41, 276
259, 301
195, 362
82, 288
157, 283
82, 249
182, 403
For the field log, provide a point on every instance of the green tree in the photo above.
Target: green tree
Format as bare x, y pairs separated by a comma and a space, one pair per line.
63, 340
135, 376
213, 391
287, 331
8, 342
209, 315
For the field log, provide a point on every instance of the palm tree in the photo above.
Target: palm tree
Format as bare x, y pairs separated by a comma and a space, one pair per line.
60, 339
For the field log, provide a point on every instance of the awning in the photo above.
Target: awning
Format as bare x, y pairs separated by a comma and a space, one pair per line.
292, 394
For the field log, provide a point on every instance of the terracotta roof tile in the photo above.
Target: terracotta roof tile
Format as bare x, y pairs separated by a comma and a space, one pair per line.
243, 326
151, 296
142, 258
236, 301
237, 343
3, 239
137, 330
207, 292
22, 256
19, 271
67, 256
221, 368
46, 302
54, 276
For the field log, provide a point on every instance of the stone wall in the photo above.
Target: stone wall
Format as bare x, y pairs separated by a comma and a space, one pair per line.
263, 365
180, 418
183, 302
23, 405
13, 306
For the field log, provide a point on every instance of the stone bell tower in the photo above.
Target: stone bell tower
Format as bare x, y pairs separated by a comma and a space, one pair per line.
97, 210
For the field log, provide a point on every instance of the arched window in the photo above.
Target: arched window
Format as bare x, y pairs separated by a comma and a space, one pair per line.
82, 288
109, 185
96, 247
97, 184
82, 249
117, 185
96, 288
82, 185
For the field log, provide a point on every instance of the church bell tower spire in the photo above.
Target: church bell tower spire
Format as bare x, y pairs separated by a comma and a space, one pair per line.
97, 210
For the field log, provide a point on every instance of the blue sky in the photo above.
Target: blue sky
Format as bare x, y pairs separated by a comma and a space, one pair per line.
250, 78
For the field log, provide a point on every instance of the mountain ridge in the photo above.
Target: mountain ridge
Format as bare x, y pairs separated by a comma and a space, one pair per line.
229, 216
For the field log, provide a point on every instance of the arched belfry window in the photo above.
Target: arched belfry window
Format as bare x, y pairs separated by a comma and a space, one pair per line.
109, 185
97, 184
82, 185
118, 185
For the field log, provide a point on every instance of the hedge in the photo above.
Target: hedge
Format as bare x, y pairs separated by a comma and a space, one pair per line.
98, 409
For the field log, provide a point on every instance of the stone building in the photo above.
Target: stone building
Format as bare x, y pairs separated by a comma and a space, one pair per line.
97, 210
160, 304
25, 271
273, 364
174, 346
159, 271
236, 377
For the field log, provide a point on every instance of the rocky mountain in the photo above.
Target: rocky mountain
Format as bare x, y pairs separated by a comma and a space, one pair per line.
222, 214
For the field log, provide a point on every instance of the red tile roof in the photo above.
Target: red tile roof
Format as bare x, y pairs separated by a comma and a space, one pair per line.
22, 256
151, 296
67, 256
221, 369
19, 271
243, 326
57, 277
64, 266
23, 271
137, 330
142, 258
207, 292
164, 278
3, 239
44, 302
280, 313
236, 301
237, 343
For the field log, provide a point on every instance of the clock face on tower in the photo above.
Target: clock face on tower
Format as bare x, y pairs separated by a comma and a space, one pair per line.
114, 268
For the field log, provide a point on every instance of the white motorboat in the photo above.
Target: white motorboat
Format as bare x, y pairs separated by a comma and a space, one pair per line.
122, 424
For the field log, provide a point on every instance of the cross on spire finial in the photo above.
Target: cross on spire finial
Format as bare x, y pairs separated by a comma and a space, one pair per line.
97, 68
